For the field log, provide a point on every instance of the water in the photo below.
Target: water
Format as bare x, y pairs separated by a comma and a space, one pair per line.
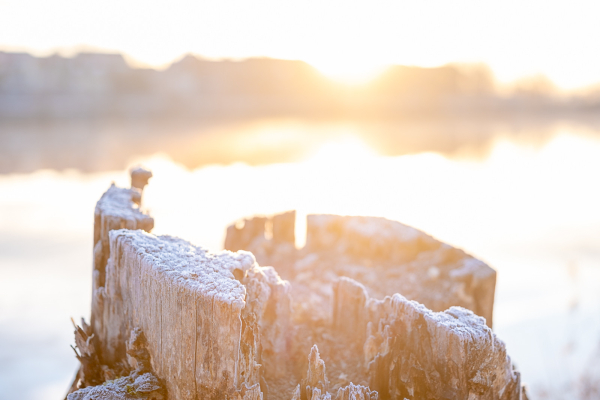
525, 199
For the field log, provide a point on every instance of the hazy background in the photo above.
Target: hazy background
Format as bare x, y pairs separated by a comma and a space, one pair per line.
478, 123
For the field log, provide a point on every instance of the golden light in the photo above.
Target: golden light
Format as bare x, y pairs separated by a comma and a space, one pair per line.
343, 150
354, 72
346, 41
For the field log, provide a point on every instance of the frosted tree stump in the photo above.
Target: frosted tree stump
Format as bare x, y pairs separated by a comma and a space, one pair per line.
172, 321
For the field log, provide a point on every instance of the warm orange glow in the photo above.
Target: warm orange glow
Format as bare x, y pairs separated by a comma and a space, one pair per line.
474, 121
350, 72
343, 150
527, 210
345, 40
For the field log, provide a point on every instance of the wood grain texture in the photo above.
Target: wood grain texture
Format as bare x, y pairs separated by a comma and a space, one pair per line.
186, 301
207, 331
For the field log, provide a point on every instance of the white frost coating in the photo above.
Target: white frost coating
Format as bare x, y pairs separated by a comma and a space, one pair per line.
356, 392
481, 366
372, 227
242, 260
457, 320
375, 227
144, 387
121, 203
324, 230
190, 265
187, 302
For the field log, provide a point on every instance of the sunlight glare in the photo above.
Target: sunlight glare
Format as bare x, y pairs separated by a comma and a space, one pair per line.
351, 72
343, 150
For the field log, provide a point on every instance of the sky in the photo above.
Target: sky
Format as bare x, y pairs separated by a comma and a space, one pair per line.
344, 39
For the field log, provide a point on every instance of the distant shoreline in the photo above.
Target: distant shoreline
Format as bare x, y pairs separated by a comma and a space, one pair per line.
92, 85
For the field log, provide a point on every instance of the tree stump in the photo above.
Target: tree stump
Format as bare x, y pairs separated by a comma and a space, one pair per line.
172, 321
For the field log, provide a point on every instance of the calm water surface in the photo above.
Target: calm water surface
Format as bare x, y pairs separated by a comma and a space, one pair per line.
526, 202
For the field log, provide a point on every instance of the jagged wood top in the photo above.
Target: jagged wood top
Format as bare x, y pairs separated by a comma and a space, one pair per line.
455, 320
122, 203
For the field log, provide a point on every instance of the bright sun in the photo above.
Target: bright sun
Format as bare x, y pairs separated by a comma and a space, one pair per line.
350, 72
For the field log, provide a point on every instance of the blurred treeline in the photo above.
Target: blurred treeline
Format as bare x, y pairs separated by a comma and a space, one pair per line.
92, 85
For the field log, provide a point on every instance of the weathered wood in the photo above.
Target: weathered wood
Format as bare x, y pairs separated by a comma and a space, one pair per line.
240, 238
453, 354
171, 270
411, 352
386, 256
284, 227
410, 262
140, 383
349, 301
315, 385
315, 375
118, 208
140, 177
356, 392
207, 331
175, 321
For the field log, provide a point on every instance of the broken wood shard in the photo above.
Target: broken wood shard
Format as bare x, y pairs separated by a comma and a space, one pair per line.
349, 302
140, 383
413, 352
316, 382
284, 227
140, 177
316, 385
118, 208
356, 392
